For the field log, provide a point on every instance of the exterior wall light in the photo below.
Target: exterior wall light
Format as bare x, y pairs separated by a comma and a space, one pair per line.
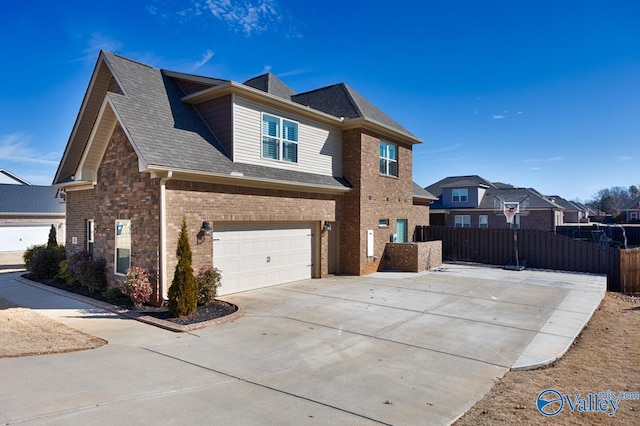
326, 226
206, 228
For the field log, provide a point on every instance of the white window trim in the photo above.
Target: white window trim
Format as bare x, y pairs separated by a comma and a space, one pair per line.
116, 246
90, 234
484, 225
280, 138
387, 159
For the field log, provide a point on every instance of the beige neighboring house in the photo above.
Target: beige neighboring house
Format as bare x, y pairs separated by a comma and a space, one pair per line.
276, 186
27, 213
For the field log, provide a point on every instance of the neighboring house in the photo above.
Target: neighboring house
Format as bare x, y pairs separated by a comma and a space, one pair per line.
573, 212
275, 186
7, 177
631, 212
474, 202
27, 213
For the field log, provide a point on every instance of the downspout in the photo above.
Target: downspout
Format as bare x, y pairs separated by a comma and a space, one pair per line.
163, 237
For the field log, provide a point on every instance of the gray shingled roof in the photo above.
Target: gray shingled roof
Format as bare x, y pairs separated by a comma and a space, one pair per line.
271, 84
29, 199
420, 192
340, 100
169, 133
459, 181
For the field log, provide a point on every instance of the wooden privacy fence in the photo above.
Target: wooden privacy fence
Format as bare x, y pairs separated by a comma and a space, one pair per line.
630, 270
540, 249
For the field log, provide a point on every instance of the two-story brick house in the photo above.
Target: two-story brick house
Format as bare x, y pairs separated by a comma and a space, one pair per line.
275, 186
474, 202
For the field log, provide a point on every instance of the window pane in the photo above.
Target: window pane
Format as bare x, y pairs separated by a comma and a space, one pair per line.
393, 154
383, 150
123, 260
270, 126
290, 152
383, 166
393, 168
289, 131
270, 148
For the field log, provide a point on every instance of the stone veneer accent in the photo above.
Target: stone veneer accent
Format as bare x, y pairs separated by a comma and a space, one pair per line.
121, 192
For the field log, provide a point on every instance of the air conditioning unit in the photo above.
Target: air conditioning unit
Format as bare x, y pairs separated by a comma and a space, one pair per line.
394, 238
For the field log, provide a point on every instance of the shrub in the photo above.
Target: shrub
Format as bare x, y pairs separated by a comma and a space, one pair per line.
208, 279
93, 275
112, 294
65, 274
45, 263
183, 293
137, 286
90, 273
29, 253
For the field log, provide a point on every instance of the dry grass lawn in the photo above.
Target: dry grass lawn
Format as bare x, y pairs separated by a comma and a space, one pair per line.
605, 357
24, 332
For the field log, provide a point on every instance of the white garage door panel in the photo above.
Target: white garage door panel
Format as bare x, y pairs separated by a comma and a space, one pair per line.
15, 238
255, 256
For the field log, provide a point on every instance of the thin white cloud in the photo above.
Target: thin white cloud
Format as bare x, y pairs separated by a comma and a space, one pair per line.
623, 158
295, 72
544, 160
14, 147
96, 43
499, 116
445, 149
266, 69
206, 57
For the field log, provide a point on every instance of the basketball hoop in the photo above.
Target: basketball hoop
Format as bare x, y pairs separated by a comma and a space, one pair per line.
510, 210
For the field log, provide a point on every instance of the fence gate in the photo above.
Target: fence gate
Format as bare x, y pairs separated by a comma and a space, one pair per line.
630, 270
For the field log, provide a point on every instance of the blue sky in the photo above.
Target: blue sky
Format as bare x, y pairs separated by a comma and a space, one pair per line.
542, 94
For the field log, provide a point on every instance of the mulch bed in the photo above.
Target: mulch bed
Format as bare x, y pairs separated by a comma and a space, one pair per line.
217, 309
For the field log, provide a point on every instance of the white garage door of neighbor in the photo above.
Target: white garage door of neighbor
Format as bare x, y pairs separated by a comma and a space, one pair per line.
19, 238
254, 256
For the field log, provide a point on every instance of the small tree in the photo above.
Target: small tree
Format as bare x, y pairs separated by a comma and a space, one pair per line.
52, 241
183, 293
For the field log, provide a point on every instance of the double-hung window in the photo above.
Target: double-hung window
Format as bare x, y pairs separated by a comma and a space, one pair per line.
279, 138
462, 221
460, 195
123, 246
483, 221
388, 159
90, 231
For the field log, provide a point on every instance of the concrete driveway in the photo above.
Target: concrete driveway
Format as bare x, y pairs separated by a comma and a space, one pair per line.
388, 348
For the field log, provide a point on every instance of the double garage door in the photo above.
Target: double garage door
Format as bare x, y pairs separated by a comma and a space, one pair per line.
19, 238
255, 256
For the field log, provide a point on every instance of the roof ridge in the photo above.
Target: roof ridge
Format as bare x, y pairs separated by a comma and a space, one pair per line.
128, 59
353, 102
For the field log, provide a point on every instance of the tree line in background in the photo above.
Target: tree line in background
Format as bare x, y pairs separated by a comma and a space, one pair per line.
613, 200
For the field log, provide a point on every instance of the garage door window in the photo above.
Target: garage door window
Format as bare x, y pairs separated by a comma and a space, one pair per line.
123, 246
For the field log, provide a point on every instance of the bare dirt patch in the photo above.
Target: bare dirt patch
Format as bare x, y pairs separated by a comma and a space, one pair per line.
24, 332
606, 356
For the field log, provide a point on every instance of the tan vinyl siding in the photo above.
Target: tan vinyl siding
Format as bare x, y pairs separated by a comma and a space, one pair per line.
319, 145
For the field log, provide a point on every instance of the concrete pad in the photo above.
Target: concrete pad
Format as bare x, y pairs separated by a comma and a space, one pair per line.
397, 349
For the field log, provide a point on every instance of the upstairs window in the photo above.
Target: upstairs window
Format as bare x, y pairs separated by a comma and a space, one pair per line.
279, 139
460, 195
388, 159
